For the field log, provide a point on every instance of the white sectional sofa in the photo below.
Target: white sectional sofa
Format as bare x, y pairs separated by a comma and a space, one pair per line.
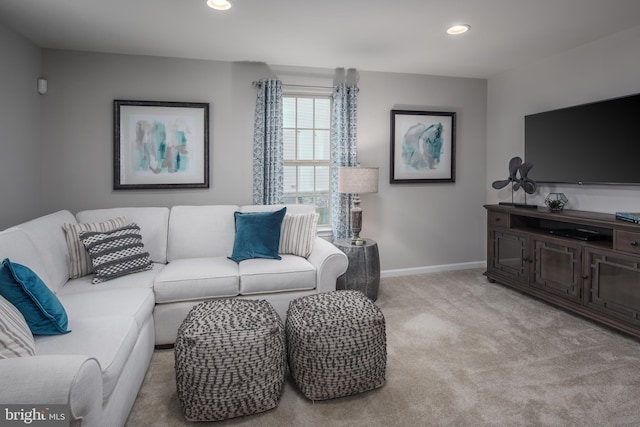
98, 367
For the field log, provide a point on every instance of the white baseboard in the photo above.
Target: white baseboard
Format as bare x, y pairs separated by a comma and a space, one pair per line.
432, 269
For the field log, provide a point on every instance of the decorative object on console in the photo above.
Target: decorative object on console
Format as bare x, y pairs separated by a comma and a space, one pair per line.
422, 146
629, 216
556, 201
160, 145
516, 166
357, 180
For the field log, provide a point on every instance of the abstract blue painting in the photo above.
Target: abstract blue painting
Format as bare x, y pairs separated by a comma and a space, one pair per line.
422, 146
161, 145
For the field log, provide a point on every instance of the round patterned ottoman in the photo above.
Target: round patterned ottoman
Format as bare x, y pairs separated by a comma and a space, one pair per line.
336, 342
230, 359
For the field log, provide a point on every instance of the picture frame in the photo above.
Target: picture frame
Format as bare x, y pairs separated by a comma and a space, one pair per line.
422, 146
160, 145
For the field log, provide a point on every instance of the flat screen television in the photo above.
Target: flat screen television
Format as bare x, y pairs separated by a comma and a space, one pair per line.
595, 143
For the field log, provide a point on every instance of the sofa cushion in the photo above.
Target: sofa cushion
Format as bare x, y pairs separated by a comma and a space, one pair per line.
42, 310
257, 235
47, 234
79, 260
109, 339
116, 253
196, 278
143, 279
291, 273
16, 339
201, 231
103, 302
299, 234
153, 223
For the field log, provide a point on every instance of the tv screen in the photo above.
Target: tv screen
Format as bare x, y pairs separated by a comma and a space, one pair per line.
596, 143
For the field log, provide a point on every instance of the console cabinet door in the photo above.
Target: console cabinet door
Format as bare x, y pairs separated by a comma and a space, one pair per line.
613, 285
508, 255
557, 268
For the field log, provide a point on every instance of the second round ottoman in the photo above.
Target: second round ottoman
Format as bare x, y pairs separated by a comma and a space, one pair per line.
336, 342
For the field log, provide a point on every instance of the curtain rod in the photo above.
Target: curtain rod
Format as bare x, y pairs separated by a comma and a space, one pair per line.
257, 83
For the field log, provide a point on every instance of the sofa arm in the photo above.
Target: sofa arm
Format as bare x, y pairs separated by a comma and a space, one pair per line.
73, 380
330, 263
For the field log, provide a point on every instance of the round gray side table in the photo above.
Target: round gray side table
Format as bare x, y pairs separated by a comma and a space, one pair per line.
363, 273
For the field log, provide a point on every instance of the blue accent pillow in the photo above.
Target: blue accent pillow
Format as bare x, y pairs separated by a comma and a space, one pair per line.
42, 310
257, 235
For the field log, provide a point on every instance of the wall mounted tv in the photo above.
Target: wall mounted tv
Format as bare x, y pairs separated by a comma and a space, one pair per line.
595, 143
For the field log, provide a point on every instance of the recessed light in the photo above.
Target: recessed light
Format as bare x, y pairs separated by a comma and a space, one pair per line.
458, 29
219, 4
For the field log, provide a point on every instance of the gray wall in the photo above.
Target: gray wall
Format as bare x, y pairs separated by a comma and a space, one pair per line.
606, 68
78, 122
422, 225
20, 140
417, 226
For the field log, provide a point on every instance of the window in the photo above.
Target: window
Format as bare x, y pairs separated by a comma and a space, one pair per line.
307, 160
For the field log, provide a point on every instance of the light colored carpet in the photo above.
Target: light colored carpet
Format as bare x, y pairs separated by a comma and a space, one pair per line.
461, 352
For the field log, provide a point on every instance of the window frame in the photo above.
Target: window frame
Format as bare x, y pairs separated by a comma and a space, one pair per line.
314, 93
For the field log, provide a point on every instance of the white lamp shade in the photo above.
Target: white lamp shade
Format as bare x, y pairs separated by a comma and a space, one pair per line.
357, 180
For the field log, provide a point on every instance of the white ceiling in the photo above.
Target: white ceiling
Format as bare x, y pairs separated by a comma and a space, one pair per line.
375, 35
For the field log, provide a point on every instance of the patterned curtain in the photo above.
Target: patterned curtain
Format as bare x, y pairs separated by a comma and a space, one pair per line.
343, 152
268, 157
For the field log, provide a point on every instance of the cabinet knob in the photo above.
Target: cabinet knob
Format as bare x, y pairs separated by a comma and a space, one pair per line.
585, 277
633, 243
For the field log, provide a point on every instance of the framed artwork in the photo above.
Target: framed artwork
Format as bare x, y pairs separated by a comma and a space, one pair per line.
160, 145
422, 146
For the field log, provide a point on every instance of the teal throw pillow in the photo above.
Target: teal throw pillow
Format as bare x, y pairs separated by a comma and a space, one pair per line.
257, 235
42, 310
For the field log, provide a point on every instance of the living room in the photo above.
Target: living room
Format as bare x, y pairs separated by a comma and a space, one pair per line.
57, 148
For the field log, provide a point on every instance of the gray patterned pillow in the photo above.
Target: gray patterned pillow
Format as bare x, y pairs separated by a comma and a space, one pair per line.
16, 339
79, 261
116, 253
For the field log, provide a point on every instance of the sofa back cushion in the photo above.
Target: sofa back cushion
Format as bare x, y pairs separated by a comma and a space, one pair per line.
16, 245
49, 237
153, 223
201, 231
291, 209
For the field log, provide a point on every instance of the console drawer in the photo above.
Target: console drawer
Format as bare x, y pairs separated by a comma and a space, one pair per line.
627, 241
499, 219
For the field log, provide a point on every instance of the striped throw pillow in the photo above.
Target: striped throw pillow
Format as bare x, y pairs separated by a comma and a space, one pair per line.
79, 261
116, 253
298, 233
16, 339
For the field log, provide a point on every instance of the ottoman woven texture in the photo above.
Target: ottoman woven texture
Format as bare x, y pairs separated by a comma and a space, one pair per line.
336, 343
230, 359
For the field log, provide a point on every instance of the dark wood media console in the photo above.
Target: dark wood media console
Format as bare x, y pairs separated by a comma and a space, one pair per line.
586, 262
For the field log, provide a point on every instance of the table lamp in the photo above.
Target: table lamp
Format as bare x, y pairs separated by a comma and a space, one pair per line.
357, 180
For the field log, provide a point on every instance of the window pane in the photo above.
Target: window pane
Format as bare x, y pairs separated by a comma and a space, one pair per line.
289, 141
305, 113
289, 112
322, 144
305, 179
289, 184
323, 113
305, 145
322, 178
